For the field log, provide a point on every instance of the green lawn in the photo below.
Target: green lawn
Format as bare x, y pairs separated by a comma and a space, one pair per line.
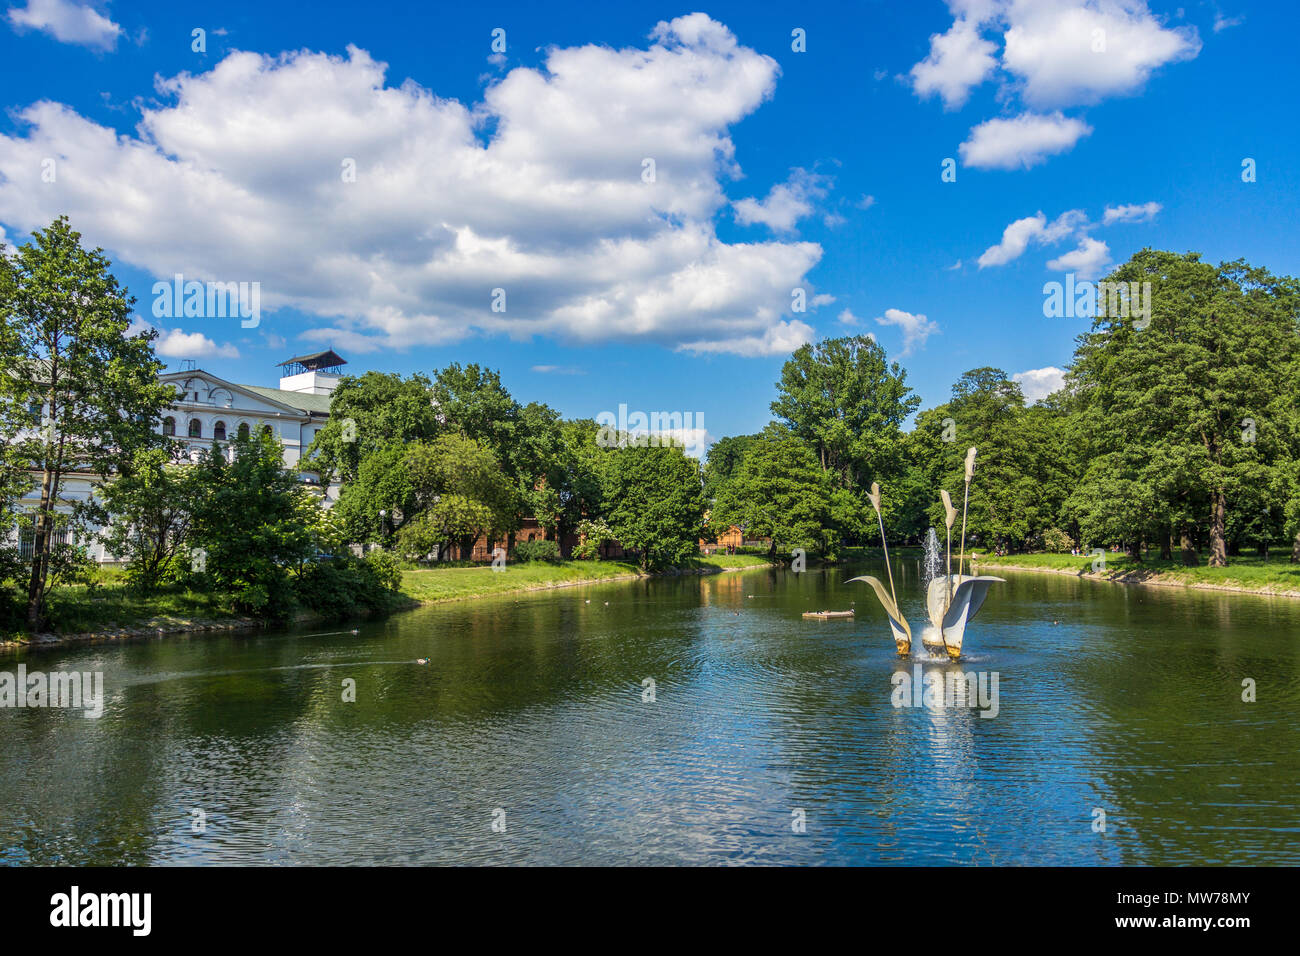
442, 584
1243, 571
78, 610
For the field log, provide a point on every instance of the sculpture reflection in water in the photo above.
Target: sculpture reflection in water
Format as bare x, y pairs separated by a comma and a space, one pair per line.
951, 600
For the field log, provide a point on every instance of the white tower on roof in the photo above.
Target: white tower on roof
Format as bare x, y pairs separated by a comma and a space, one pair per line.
315, 374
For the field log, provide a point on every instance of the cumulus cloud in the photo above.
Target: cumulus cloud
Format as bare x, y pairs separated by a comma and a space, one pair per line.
1054, 52
1130, 213
1036, 229
786, 203
781, 339
392, 214
1021, 142
176, 343
958, 61
916, 328
1087, 261
1038, 383
67, 22
1065, 52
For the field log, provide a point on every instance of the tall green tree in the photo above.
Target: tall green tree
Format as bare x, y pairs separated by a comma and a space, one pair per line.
655, 503
369, 413
1174, 408
253, 523
848, 403
151, 504
779, 491
95, 386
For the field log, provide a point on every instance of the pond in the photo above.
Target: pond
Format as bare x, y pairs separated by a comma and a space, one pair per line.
693, 720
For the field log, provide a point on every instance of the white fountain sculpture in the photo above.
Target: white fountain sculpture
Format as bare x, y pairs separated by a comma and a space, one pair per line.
951, 600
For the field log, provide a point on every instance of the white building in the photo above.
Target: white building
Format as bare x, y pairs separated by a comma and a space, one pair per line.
210, 409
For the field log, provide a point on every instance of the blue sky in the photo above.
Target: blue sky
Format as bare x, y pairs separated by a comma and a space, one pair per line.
775, 169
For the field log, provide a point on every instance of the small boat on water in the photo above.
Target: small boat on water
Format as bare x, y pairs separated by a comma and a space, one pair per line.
826, 615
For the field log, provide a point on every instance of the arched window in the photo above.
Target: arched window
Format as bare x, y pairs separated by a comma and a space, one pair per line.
243, 431
196, 428
266, 430
169, 426
219, 431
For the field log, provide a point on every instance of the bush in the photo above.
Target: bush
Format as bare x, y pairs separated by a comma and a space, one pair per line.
387, 568
347, 586
537, 551
1056, 540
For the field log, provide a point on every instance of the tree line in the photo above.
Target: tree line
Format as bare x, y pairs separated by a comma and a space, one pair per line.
1180, 432
1177, 433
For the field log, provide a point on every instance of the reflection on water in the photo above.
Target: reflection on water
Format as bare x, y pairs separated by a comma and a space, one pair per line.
1127, 699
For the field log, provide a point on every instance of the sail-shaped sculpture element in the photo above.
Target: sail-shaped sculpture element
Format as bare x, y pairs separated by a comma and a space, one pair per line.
897, 623
949, 615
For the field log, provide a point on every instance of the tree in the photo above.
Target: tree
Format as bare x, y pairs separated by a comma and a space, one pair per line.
848, 403
459, 493
251, 524
654, 503
369, 413
95, 386
779, 491
1175, 408
723, 459
152, 505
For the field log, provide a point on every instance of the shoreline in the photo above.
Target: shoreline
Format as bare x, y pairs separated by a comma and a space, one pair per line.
1147, 578
154, 628
557, 585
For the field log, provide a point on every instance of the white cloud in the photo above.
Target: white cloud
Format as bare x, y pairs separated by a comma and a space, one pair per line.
1018, 235
782, 339
1222, 22
1067, 52
1038, 383
67, 22
1087, 261
848, 318
958, 61
174, 343
1022, 142
916, 328
559, 370
785, 204
866, 202
1054, 52
536, 190
1130, 213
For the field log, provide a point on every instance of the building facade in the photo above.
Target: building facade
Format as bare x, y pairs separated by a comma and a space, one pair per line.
209, 409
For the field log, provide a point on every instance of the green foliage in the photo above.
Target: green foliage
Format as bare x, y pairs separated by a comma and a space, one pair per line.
848, 404
540, 550
1056, 541
592, 535
251, 525
69, 358
779, 491
654, 503
152, 504
345, 586
370, 413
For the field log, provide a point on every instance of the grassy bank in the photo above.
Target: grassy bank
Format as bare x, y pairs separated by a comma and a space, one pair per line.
447, 584
1244, 573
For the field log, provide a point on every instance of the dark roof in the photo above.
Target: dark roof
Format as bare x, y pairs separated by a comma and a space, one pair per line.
327, 359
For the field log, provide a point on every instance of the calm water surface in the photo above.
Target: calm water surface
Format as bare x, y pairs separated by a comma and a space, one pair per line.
1120, 698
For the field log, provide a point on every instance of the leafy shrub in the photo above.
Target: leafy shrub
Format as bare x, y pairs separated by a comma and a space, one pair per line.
348, 586
387, 568
591, 535
1057, 541
537, 551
